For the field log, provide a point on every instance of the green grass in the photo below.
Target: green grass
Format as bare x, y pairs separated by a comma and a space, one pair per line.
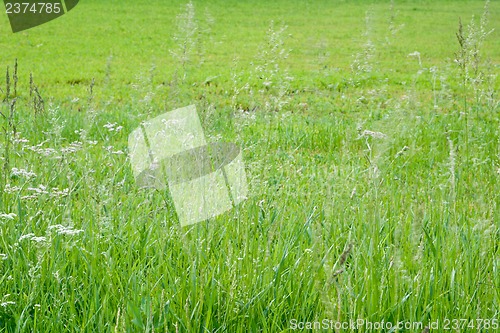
374, 192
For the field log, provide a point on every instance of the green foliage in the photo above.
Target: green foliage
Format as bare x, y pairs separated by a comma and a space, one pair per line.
374, 188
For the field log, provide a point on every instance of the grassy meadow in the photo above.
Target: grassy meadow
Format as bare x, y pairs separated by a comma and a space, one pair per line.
370, 132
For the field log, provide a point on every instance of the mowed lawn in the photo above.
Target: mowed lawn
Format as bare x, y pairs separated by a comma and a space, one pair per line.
370, 135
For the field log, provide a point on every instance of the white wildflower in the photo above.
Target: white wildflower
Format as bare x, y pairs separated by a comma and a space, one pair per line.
59, 193
21, 140
41, 189
5, 304
113, 127
110, 149
110, 127
68, 150
40, 239
22, 173
416, 54
32, 237
73, 147
76, 144
56, 276
29, 197
9, 216
376, 135
43, 151
27, 236
65, 230
9, 189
